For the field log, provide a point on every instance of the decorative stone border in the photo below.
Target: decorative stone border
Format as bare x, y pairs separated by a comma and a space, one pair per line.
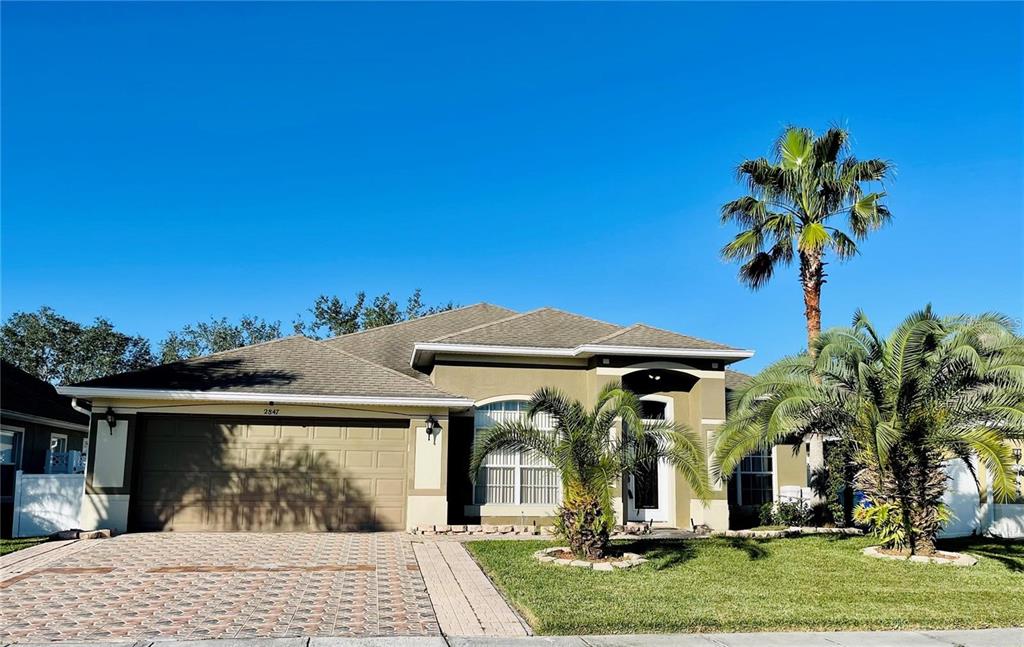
482, 530
941, 557
102, 533
629, 530
793, 531
629, 560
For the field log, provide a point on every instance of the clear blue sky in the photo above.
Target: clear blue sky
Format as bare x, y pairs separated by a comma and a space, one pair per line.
166, 162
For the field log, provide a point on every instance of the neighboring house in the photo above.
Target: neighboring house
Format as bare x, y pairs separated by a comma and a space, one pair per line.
36, 425
373, 430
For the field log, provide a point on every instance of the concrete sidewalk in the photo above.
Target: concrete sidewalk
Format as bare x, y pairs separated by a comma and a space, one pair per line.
972, 638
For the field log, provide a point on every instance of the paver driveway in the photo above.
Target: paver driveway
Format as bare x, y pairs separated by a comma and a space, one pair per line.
220, 585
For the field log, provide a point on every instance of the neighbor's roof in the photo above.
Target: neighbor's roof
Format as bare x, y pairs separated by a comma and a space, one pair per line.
25, 394
291, 366
735, 379
392, 345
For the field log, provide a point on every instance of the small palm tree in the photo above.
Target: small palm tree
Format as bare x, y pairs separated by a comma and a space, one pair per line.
936, 388
589, 457
792, 210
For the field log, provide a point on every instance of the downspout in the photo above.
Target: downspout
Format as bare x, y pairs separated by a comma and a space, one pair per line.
80, 409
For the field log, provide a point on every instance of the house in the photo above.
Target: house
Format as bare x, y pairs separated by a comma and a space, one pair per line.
37, 428
373, 430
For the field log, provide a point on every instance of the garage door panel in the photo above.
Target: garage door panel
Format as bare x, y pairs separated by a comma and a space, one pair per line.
295, 458
327, 459
261, 457
261, 432
359, 458
360, 433
328, 433
295, 432
391, 460
203, 474
392, 435
388, 516
389, 488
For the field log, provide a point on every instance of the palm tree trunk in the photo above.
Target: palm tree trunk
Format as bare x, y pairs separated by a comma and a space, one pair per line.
812, 274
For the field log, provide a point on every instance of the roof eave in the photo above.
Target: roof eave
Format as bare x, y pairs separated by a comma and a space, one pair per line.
279, 398
424, 352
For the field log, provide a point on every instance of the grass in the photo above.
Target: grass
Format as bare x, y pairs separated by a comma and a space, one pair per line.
807, 583
11, 545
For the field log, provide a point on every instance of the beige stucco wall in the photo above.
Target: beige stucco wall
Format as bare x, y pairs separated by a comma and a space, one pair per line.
702, 409
791, 469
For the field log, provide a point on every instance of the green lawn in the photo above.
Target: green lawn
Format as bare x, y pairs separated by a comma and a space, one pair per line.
809, 583
11, 545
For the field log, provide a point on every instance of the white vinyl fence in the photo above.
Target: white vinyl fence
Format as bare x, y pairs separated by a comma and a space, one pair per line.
971, 515
46, 503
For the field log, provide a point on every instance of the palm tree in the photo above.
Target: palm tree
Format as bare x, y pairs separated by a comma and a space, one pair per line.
589, 457
793, 210
936, 388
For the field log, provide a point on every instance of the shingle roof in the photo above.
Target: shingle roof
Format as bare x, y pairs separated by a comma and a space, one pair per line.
646, 336
735, 379
391, 346
291, 365
22, 392
543, 328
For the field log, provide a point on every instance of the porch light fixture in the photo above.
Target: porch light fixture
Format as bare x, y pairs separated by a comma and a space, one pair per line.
1016, 454
111, 419
433, 426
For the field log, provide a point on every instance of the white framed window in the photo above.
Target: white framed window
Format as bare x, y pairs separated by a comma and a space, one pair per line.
514, 477
754, 479
58, 442
10, 445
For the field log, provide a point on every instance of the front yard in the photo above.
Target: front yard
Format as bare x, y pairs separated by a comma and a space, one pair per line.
806, 583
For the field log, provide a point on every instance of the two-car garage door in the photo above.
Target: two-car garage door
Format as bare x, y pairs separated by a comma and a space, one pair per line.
199, 473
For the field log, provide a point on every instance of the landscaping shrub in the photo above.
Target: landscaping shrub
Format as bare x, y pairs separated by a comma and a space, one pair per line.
796, 513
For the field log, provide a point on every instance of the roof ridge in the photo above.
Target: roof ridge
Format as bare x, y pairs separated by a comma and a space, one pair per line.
576, 314
382, 367
615, 334
406, 321
491, 323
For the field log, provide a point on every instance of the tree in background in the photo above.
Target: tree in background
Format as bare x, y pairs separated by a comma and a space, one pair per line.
333, 317
793, 210
935, 388
62, 351
59, 350
216, 335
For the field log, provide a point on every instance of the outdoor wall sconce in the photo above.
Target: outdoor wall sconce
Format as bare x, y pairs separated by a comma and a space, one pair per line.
433, 427
111, 419
1016, 454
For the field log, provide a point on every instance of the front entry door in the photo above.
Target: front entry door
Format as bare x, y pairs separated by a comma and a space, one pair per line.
647, 491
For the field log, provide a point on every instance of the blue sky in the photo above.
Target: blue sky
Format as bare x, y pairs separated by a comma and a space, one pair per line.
166, 162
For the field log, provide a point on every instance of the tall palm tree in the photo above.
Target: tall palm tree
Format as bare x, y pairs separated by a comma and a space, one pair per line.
796, 207
590, 458
936, 388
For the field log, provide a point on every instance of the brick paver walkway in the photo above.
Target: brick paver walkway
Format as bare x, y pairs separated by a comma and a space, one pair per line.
466, 602
217, 585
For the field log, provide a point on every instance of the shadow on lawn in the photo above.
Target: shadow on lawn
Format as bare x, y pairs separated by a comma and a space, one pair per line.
1008, 552
664, 554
